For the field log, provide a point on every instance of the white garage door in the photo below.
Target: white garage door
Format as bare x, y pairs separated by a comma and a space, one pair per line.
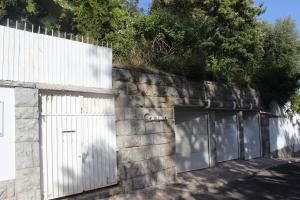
227, 136
78, 143
252, 136
191, 140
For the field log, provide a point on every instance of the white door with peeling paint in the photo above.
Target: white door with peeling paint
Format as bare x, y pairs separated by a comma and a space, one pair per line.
252, 139
191, 140
78, 143
227, 142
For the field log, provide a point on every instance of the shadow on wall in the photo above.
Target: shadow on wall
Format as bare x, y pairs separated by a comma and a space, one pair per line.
80, 148
191, 139
152, 93
283, 133
96, 56
148, 156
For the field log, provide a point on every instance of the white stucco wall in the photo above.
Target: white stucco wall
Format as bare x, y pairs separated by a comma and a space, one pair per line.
7, 137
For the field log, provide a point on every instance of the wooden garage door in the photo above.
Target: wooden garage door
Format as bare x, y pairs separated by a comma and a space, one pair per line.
191, 140
252, 140
227, 136
78, 143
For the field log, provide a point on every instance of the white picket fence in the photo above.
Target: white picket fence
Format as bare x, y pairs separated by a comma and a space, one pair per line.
31, 57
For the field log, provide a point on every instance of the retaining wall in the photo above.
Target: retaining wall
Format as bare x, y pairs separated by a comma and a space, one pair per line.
146, 149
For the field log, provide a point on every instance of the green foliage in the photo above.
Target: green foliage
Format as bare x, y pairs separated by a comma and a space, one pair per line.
222, 39
218, 40
277, 78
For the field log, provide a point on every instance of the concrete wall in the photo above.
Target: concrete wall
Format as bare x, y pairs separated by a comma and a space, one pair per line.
26, 184
146, 149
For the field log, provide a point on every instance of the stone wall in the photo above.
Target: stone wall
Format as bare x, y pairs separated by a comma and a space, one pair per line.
26, 185
146, 149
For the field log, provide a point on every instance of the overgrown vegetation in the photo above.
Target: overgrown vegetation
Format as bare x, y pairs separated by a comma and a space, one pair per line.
219, 40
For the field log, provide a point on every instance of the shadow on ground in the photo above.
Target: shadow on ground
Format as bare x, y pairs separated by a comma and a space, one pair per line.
276, 183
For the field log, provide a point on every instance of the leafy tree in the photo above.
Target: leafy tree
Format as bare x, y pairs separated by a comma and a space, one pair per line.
45, 13
221, 38
278, 77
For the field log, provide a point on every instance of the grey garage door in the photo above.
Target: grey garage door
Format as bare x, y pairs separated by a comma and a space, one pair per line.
227, 136
252, 140
191, 140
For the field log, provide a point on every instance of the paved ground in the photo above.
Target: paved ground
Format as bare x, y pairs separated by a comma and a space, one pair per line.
256, 179
282, 182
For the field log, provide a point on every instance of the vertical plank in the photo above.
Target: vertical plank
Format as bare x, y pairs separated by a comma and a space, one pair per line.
2, 30
49, 148
44, 148
55, 132
5, 61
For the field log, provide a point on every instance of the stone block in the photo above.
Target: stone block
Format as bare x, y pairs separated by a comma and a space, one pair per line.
178, 101
129, 101
130, 127
130, 141
28, 195
143, 181
27, 180
10, 188
3, 190
120, 86
151, 151
163, 138
158, 102
26, 97
159, 126
125, 113
24, 156
130, 155
166, 176
36, 154
122, 75
147, 90
167, 149
27, 112
27, 130
147, 78
132, 89
162, 112
134, 169
147, 139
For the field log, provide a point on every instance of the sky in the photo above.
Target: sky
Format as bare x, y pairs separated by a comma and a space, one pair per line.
274, 9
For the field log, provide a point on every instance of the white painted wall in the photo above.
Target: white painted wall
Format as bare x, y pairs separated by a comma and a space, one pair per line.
32, 57
7, 137
283, 132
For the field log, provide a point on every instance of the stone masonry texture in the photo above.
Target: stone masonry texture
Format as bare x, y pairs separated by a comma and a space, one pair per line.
146, 149
26, 185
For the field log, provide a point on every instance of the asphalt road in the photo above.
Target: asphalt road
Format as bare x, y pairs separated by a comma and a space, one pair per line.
281, 182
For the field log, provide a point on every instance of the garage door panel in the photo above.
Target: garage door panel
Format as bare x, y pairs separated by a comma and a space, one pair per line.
191, 141
191, 161
252, 141
227, 136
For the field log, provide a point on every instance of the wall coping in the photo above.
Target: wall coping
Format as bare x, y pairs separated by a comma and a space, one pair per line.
54, 87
